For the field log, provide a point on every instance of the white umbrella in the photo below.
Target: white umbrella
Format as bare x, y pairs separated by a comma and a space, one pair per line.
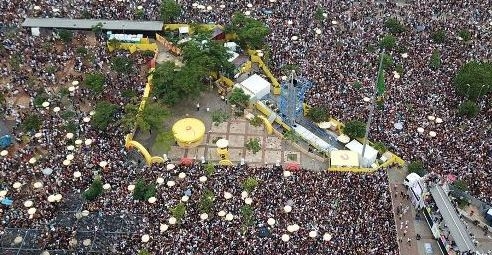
152, 200
201, 6
285, 237
324, 125
160, 180
291, 228
170, 166
69, 135
163, 227
85, 213
31, 211
38, 135
172, 220
326, 237
70, 156
88, 141
78, 142
404, 55
103, 163
203, 178
222, 143
37, 185
58, 197
222, 6
37, 8
139, 7
170, 183
287, 173
17, 185
318, 31
287, 208
229, 217
432, 134
45, 104
221, 213
247, 13
290, 22
334, 22
91, 113
18, 239
73, 242
396, 75
51, 198
71, 88
227, 195
32, 160
194, 5
203, 216
181, 175
131, 187
86, 242
4, 153
438, 120
45, 253
78, 216
431, 117
66, 162
106, 186
244, 194
56, 109
209, 8
185, 198
313, 234
28, 203
75, 83
3, 193
366, 99
271, 221
248, 201
283, 77
70, 148
249, 5
86, 119
420, 130
294, 38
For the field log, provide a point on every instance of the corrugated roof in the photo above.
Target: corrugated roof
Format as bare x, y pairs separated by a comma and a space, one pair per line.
88, 23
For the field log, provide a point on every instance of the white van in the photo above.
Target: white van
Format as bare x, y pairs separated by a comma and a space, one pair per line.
416, 189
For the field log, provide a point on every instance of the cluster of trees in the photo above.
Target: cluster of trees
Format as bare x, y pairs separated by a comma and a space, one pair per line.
251, 33
94, 190
473, 81
143, 191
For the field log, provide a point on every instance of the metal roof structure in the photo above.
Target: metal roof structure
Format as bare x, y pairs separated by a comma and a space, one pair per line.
89, 23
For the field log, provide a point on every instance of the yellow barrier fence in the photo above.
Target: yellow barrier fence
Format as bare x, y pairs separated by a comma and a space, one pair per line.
132, 47
257, 59
168, 45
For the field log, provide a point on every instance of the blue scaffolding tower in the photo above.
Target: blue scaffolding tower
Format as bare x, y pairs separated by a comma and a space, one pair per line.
292, 97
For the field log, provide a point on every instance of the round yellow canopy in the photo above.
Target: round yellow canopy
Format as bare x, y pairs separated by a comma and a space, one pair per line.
189, 132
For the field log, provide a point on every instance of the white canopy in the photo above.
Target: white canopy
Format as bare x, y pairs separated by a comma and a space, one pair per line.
344, 158
255, 86
370, 154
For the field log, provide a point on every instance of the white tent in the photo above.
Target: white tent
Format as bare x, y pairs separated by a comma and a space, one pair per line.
314, 140
370, 154
184, 30
344, 158
255, 86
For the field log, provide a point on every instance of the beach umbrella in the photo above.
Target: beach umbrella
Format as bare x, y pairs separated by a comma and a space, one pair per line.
420, 130
287, 173
229, 217
91, 113
3, 193
290, 22
249, 5
247, 13
203, 178
75, 83
396, 75
324, 125
69, 135
18, 239
38, 135
37, 8
271, 221
172, 220
170, 183
131, 187
4, 153
56, 109
334, 22
244, 194
103, 163
51, 198
163, 227
47, 171
285, 237
203, 216
106, 186
438, 120
85, 213
152, 200
45, 253
88, 141
70, 156
37, 185
273, 1
366, 99
71, 88
227, 195
318, 31
291, 228
139, 7
432, 134
170, 166
70, 148
181, 175
221, 213
78, 142
31, 211
313, 234
287, 208
45, 104
404, 55
185, 198
209, 8
86, 119
86, 242
72, 242
222, 6
17, 185
66, 162
32, 160
326, 237
431, 117
248, 201
160, 180
58, 197
28, 203
294, 38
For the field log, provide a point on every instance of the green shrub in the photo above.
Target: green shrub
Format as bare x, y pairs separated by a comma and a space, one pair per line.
40, 98
318, 114
465, 35
253, 145
95, 82
219, 117
143, 191
388, 42
247, 214
150, 191
249, 184
355, 129
256, 121
65, 35
474, 79
206, 201
178, 211
357, 85
387, 61
417, 167
94, 190
209, 169
468, 109
81, 51
31, 123
105, 113
439, 36
435, 61
461, 185
394, 26
380, 147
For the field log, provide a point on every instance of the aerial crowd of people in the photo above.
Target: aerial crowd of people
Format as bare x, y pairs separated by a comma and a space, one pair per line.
337, 213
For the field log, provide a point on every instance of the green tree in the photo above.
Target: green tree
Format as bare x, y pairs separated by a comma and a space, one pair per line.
379, 146
250, 183
461, 185
209, 169
206, 201
105, 113
247, 214
94, 190
163, 141
122, 65
169, 10
318, 114
65, 35
144, 252
288, 68
251, 33
388, 42
139, 13
468, 109
219, 116
40, 98
417, 167
439, 36
97, 29
253, 145
435, 61
474, 79
256, 121
31, 123
178, 211
82, 51
394, 26
318, 15
150, 191
291, 135
150, 118
465, 35
139, 190
355, 129
114, 43
95, 82
239, 98
209, 55
387, 61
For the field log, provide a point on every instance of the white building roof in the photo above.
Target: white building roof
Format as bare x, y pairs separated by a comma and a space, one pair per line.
88, 23
256, 86
370, 154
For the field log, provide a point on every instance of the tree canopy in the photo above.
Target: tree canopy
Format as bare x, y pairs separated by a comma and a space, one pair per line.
95, 82
150, 118
251, 33
238, 97
105, 113
169, 10
355, 129
210, 56
121, 65
318, 114
474, 79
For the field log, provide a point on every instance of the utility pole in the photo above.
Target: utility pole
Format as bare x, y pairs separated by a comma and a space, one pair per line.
291, 100
372, 106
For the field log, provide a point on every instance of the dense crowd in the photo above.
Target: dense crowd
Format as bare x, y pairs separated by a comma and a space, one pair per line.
354, 209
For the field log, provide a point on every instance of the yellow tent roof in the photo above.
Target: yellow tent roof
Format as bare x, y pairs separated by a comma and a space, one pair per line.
344, 158
188, 130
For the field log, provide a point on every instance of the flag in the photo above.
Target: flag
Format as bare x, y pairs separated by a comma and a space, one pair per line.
380, 84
